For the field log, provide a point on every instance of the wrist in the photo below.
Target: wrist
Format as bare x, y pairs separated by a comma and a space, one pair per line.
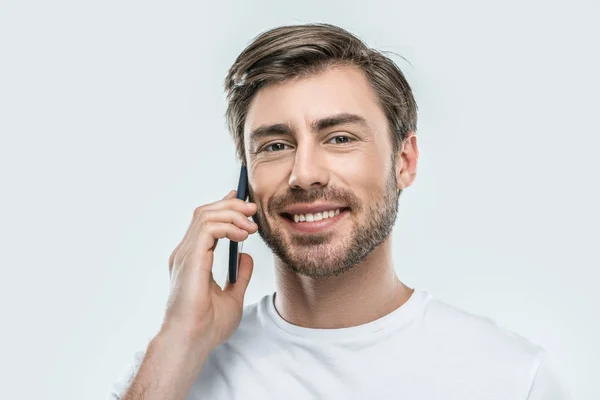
180, 350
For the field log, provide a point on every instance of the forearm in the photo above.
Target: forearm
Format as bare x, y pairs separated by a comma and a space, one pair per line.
168, 370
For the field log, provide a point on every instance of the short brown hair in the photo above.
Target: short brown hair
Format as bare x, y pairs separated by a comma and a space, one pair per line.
292, 51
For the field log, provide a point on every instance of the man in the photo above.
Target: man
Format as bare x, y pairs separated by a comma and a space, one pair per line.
326, 127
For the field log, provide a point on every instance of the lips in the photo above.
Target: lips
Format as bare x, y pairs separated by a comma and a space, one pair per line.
317, 225
312, 212
311, 208
317, 216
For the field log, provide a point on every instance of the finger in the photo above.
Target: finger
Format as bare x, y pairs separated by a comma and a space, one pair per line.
212, 232
230, 195
233, 217
245, 207
198, 254
179, 246
197, 211
238, 289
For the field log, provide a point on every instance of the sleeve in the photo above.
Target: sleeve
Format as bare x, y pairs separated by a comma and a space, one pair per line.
120, 385
548, 383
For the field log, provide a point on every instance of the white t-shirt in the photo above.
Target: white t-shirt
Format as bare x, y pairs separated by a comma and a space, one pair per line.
425, 349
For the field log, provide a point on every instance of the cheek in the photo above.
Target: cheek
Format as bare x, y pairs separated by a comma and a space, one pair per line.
265, 181
363, 173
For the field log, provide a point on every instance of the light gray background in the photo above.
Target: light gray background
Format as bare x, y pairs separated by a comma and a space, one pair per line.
111, 116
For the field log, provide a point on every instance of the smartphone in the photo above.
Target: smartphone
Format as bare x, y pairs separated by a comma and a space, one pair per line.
234, 252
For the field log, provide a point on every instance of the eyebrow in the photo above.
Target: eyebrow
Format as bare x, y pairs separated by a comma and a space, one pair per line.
316, 126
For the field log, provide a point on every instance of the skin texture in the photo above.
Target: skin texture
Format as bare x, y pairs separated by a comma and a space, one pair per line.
343, 277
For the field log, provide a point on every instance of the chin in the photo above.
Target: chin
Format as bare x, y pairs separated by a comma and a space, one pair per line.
319, 270
320, 261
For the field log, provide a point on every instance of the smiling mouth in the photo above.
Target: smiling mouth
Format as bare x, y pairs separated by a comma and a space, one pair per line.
314, 217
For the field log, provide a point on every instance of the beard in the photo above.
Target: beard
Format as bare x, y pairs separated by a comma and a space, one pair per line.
322, 255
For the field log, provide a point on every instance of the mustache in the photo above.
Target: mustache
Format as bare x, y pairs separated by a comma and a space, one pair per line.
295, 196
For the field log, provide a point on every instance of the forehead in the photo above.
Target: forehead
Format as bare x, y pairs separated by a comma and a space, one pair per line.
298, 102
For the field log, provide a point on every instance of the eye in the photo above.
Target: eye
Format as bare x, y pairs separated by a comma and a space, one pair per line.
340, 140
273, 147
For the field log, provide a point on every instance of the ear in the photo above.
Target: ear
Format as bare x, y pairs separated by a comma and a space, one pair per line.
406, 161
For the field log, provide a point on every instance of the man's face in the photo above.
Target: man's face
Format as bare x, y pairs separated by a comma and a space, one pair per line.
322, 170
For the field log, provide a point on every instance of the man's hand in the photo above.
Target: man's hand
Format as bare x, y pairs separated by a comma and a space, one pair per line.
198, 309
199, 314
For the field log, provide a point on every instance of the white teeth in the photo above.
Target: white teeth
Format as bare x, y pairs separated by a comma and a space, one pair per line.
316, 216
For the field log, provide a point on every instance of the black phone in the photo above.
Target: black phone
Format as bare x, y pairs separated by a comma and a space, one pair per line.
242, 193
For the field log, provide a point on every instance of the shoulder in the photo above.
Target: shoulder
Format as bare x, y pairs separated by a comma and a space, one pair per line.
477, 344
478, 341
475, 330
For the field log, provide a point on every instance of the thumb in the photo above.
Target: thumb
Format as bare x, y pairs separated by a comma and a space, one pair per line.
245, 268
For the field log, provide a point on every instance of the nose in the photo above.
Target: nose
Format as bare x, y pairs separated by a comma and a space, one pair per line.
309, 171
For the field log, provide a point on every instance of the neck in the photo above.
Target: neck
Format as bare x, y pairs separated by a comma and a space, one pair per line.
362, 294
